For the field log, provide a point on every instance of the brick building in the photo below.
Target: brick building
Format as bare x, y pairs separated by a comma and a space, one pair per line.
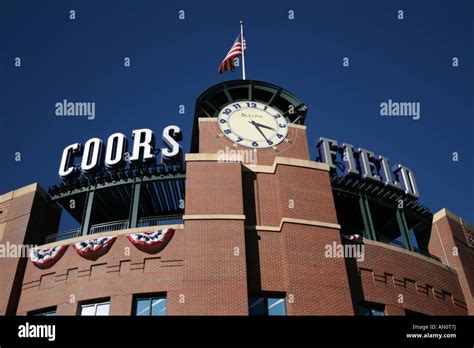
254, 236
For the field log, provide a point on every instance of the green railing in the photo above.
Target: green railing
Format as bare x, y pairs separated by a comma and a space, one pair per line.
116, 226
73, 233
160, 220
109, 226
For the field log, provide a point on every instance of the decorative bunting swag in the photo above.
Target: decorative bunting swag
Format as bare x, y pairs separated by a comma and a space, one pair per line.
151, 242
92, 249
47, 257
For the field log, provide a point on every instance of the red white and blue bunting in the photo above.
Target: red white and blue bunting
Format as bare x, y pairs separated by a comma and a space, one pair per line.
47, 257
92, 249
151, 242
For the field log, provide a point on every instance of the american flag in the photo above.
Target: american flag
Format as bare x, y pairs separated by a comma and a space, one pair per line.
236, 50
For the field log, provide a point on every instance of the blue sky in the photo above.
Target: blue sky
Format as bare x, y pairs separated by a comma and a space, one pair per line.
173, 61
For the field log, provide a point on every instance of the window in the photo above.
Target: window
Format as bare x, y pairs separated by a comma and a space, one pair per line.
261, 94
267, 305
239, 93
150, 306
386, 224
45, 312
419, 230
349, 214
371, 310
95, 309
411, 313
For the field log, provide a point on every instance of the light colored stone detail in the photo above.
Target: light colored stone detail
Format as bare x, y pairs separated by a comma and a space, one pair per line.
297, 126
207, 119
293, 162
201, 157
287, 161
6, 197
23, 191
2, 229
293, 221
446, 212
408, 252
214, 217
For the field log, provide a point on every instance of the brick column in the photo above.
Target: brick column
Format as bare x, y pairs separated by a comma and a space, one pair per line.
449, 242
316, 284
214, 277
22, 222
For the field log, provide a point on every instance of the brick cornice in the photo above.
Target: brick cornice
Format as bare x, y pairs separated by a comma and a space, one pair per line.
23, 191
448, 213
213, 217
408, 252
287, 161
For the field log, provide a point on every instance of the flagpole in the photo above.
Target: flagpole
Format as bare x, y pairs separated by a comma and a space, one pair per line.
243, 49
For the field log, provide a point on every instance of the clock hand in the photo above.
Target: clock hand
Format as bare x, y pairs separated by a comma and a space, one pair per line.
262, 125
258, 128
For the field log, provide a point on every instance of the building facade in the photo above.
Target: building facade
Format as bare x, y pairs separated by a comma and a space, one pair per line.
256, 229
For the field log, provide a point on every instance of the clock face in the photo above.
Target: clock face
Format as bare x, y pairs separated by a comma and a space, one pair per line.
253, 124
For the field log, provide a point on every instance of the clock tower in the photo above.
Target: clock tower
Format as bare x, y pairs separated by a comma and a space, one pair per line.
250, 115
257, 226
